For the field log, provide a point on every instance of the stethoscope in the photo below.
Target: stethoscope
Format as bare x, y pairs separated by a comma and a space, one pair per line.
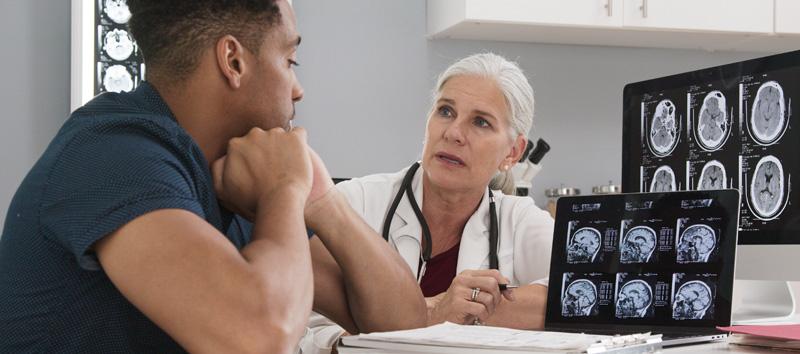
425, 253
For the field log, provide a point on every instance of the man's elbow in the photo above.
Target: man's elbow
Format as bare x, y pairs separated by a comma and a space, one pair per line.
266, 340
418, 319
399, 319
267, 333
274, 326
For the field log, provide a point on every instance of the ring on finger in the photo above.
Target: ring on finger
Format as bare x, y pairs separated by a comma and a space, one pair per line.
474, 296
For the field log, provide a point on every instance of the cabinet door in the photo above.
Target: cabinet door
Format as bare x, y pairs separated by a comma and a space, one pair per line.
748, 16
578, 13
786, 16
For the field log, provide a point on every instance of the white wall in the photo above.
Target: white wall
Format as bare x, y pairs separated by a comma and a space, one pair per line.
368, 68
34, 92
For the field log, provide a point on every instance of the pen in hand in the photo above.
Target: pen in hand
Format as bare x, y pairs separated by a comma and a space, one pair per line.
504, 287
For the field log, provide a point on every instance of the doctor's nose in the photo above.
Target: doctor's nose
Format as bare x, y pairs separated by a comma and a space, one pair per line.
454, 133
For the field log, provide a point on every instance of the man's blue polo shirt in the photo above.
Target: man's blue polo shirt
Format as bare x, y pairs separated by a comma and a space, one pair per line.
117, 158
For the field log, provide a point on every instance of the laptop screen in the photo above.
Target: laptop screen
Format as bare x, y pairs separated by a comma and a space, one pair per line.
645, 259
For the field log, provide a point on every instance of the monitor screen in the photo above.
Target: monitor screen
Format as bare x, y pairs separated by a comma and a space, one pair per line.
723, 127
643, 259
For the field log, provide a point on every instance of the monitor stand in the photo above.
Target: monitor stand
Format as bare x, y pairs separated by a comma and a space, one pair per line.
762, 301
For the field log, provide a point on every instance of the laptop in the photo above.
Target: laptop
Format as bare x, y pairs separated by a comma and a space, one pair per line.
644, 262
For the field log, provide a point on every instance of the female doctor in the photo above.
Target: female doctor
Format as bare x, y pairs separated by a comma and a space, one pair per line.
453, 217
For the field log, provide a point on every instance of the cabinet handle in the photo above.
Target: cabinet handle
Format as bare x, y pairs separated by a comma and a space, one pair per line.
609, 8
644, 8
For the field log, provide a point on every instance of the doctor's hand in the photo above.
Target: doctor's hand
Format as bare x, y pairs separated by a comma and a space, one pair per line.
456, 304
321, 189
261, 164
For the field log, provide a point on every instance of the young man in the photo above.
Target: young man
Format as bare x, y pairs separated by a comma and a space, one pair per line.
120, 238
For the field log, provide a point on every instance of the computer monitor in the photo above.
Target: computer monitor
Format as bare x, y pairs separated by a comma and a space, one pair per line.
729, 126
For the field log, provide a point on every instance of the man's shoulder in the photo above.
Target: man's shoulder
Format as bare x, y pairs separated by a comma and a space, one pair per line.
110, 110
127, 126
114, 139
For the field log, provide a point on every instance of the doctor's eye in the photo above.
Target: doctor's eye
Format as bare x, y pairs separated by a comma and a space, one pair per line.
445, 111
481, 122
293, 63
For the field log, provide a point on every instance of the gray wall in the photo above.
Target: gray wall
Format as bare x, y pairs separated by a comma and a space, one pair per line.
34, 93
368, 69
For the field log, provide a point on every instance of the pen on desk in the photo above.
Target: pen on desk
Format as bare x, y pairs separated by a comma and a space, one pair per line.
504, 287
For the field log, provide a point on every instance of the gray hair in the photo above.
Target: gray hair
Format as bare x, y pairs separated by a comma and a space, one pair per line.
516, 89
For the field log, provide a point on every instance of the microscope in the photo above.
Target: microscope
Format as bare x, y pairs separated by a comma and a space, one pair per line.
529, 166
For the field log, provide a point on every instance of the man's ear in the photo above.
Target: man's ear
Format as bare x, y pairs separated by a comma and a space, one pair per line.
231, 60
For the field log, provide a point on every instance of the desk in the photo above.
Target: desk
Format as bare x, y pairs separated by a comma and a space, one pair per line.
724, 347
712, 348
718, 347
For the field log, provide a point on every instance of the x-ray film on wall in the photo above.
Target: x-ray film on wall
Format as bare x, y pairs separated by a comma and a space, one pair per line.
105, 56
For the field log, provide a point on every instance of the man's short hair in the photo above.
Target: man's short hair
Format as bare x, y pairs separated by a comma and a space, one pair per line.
172, 34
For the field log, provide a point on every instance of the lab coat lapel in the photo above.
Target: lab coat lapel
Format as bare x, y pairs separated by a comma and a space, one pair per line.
474, 250
407, 237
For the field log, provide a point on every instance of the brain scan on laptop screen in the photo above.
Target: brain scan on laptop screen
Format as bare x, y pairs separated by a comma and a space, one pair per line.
654, 259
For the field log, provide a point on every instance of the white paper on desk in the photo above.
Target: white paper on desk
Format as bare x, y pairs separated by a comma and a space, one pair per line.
454, 335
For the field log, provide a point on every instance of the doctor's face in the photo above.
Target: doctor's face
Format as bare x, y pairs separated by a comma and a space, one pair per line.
468, 135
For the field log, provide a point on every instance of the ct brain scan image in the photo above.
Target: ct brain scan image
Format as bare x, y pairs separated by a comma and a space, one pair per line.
696, 243
583, 246
663, 180
117, 11
638, 245
713, 123
766, 187
692, 300
580, 298
712, 176
117, 79
664, 128
767, 121
118, 44
634, 299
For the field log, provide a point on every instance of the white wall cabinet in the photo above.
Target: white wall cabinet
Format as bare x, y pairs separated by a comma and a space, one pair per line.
522, 20
742, 16
787, 16
745, 25
584, 13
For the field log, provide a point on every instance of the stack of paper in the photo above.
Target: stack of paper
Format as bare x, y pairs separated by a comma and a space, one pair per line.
785, 337
457, 339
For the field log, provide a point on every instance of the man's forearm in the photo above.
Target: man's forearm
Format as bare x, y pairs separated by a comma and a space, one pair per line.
525, 312
278, 253
381, 291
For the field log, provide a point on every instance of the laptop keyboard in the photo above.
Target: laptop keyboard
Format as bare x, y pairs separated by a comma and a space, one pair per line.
664, 335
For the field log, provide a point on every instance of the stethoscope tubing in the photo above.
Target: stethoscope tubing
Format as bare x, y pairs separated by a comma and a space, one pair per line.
425, 252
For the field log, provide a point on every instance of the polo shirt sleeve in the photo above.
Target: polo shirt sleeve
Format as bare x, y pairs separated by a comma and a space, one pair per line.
104, 179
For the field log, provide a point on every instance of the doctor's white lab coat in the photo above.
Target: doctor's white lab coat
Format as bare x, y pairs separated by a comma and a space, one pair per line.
525, 238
